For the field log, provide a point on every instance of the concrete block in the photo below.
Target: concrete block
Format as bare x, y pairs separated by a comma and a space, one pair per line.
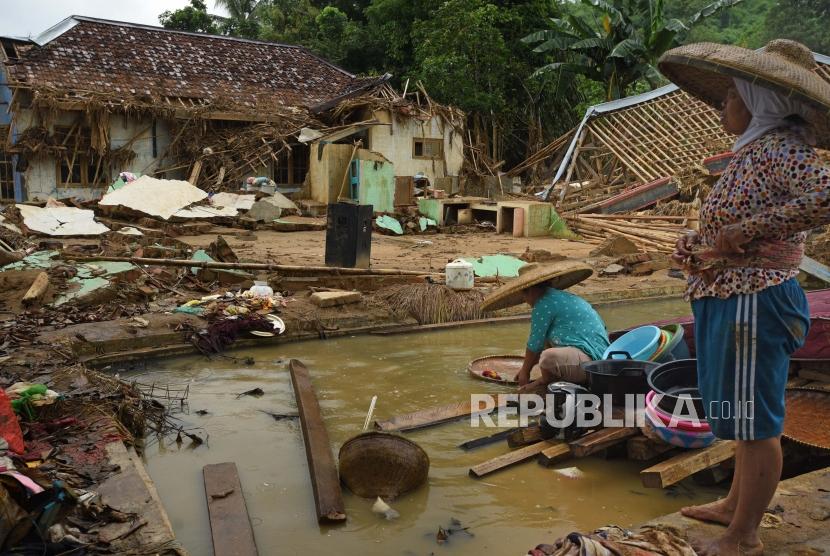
332, 299
271, 208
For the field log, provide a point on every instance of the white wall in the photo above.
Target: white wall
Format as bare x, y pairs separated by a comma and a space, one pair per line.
42, 179
394, 141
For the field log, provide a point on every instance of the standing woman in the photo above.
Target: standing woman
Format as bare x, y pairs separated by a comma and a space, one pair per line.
750, 313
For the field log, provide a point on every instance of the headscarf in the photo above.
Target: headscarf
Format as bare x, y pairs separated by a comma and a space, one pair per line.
769, 110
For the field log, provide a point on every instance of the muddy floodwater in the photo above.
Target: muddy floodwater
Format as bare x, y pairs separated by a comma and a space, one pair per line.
506, 513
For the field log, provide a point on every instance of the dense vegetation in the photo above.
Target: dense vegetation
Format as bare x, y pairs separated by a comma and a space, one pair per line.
523, 71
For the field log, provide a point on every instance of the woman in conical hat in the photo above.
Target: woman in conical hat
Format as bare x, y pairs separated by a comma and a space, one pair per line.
750, 312
573, 331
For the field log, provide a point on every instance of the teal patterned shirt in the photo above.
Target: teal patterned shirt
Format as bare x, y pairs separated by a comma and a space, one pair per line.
562, 319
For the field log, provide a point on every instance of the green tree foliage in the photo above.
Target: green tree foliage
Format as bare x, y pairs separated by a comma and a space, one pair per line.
243, 18
194, 18
617, 43
806, 21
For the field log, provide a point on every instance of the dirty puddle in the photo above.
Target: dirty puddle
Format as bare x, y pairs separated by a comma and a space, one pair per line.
506, 513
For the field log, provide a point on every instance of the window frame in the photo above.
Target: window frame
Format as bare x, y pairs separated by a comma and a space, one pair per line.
6, 160
428, 141
82, 159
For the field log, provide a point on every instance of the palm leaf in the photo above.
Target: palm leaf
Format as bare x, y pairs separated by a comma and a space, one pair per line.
595, 42
561, 66
628, 48
712, 9
558, 43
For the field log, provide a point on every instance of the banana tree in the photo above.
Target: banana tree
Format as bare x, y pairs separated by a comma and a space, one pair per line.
618, 44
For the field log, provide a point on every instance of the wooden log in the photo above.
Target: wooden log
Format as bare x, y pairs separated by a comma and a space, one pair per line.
686, 464
641, 448
328, 497
248, 266
601, 439
554, 454
525, 436
486, 440
511, 458
428, 417
637, 217
230, 526
37, 290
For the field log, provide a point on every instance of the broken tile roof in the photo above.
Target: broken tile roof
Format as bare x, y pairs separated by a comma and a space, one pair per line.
153, 64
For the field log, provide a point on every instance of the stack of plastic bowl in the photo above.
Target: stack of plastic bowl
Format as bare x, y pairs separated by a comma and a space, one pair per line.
684, 433
639, 344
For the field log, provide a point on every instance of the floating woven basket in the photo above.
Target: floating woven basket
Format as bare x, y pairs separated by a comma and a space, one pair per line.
381, 464
505, 366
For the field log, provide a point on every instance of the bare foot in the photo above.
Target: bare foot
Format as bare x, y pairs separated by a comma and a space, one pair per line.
728, 546
713, 512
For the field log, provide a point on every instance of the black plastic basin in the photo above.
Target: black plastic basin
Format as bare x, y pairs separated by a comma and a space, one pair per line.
673, 380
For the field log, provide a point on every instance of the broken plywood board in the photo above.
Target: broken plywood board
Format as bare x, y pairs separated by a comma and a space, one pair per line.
688, 463
61, 221
325, 482
511, 458
230, 526
333, 299
154, 197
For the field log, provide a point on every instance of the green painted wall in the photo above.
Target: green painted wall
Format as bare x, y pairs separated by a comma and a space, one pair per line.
431, 208
377, 185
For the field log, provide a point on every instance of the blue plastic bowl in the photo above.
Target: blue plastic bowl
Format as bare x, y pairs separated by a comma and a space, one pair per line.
638, 344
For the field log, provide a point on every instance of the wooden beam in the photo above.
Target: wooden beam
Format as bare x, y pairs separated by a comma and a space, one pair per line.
486, 440
686, 464
525, 436
511, 458
601, 439
554, 454
428, 417
641, 448
809, 374
230, 526
324, 480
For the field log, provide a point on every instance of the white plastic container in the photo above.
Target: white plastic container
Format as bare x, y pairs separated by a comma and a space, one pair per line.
261, 289
460, 275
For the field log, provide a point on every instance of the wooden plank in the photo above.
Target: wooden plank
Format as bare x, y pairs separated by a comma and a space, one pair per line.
230, 526
554, 454
810, 374
485, 440
525, 436
640, 448
37, 290
427, 417
511, 458
686, 464
815, 269
601, 439
324, 480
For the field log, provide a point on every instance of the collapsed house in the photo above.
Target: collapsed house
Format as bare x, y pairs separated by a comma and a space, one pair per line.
91, 98
630, 153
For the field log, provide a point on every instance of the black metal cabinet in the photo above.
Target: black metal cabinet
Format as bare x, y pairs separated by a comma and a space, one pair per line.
348, 235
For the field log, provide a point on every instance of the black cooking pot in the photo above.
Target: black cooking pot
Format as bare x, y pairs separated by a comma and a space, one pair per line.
673, 380
618, 377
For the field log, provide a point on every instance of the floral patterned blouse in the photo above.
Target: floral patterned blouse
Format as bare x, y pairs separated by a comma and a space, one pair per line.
777, 188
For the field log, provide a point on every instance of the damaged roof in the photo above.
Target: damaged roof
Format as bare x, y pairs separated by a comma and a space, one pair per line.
153, 64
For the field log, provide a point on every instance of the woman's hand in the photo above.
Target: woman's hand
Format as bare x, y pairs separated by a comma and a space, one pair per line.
731, 240
523, 377
684, 246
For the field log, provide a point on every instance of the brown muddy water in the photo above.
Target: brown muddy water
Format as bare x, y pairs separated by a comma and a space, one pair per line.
506, 513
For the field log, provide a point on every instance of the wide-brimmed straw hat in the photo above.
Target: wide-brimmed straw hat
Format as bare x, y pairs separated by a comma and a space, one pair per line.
706, 70
559, 275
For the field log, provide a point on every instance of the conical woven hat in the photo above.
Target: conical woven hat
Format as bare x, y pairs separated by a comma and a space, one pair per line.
559, 275
705, 70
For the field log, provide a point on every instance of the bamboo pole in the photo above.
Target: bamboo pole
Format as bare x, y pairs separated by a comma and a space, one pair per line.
634, 217
249, 266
